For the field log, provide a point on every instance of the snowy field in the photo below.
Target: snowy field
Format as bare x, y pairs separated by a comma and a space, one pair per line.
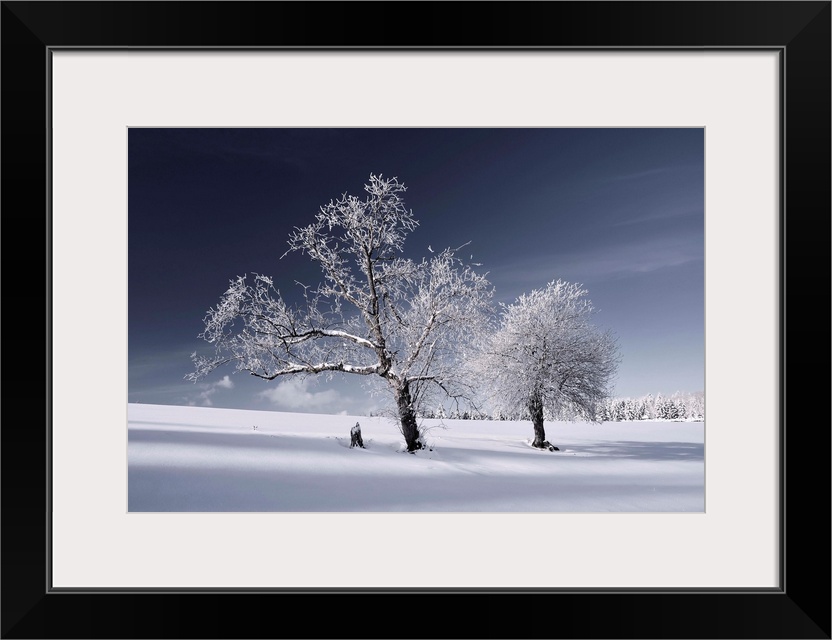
205, 459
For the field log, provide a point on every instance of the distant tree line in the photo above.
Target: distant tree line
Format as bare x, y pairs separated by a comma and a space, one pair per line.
677, 407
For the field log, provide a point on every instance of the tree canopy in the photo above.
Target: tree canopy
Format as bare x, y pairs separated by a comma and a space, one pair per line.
375, 313
546, 357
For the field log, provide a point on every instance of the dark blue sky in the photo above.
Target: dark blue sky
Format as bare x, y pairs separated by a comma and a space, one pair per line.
619, 210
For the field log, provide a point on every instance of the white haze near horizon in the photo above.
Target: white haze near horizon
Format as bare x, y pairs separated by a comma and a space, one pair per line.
201, 459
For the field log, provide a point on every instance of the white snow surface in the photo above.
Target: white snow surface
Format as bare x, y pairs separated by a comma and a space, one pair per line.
214, 460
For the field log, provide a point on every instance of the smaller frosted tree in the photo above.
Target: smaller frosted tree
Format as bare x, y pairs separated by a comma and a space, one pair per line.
547, 357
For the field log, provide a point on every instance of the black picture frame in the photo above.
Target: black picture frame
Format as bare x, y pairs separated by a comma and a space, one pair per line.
798, 608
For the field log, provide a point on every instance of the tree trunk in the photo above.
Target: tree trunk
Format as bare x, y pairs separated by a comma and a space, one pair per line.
536, 412
407, 416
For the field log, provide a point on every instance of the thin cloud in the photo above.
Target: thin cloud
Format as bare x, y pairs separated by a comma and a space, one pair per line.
629, 260
225, 383
208, 390
294, 394
656, 216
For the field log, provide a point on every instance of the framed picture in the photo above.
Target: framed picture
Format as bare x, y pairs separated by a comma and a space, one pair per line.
755, 76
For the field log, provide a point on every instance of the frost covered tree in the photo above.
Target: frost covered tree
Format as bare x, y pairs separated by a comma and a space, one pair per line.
375, 314
547, 357
649, 407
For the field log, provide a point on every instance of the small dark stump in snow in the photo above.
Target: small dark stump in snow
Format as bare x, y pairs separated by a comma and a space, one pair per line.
355, 437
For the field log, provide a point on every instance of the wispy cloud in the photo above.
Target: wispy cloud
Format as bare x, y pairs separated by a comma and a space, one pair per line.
295, 394
225, 383
599, 264
655, 216
208, 390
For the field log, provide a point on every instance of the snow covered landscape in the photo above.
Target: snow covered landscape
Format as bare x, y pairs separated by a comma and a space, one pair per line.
466, 325
204, 459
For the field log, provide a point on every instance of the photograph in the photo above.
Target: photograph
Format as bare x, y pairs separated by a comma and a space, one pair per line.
416, 319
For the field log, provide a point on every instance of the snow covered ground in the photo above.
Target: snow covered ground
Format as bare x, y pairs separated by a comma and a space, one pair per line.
206, 459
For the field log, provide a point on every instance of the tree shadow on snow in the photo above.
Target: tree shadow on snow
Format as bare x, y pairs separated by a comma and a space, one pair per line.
257, 440
633, 449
